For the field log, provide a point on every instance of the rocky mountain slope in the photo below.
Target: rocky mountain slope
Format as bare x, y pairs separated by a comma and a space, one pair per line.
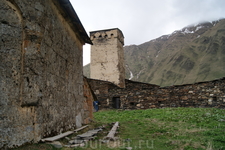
193, 54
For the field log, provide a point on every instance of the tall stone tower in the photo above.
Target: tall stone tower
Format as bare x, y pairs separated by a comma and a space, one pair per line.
107, 56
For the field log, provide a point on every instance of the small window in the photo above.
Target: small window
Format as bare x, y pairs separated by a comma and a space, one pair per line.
132, 103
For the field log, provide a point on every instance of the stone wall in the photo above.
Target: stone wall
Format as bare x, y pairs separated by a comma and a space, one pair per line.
41, 77
139, 95
107, 56
88, 102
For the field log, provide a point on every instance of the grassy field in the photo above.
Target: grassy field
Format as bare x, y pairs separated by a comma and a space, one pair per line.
161, 129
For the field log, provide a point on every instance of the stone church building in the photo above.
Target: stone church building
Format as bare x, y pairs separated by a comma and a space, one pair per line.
41, 79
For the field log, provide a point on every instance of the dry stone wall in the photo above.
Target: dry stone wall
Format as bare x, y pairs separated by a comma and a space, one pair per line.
139, 95
41, 81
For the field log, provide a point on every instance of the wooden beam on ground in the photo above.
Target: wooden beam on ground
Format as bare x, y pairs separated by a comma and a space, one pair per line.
80, 128
54, 138
89, 133
112, 132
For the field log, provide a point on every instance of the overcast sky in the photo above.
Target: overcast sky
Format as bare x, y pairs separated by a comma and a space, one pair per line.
144, 20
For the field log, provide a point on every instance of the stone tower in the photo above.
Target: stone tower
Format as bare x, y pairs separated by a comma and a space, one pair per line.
107, 56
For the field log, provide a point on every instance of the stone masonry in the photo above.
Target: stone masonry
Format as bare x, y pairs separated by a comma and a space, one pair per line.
41, 80
89, 97
139, 95
107, 56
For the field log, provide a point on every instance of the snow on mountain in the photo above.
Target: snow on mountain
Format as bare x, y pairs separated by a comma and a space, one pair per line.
186, 31
199, 27
190, 29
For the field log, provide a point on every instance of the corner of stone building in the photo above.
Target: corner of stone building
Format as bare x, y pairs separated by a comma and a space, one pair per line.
88, 102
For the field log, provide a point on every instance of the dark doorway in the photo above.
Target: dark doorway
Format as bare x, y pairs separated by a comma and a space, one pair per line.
116, 102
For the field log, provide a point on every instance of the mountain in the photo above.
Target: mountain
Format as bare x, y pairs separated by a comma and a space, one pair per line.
193, 54
86, 70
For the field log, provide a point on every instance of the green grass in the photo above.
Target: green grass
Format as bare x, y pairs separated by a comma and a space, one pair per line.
163, 129
177, 128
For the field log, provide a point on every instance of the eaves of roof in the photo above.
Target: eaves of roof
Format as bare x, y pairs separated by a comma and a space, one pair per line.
74, 21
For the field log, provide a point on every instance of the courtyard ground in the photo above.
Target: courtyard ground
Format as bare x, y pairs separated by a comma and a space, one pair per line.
157, 129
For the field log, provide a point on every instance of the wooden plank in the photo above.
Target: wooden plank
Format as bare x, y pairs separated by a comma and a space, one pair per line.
54, 138
112, 131
89, 133
80, 128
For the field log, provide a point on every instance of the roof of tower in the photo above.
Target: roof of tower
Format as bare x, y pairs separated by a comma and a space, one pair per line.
107, 30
